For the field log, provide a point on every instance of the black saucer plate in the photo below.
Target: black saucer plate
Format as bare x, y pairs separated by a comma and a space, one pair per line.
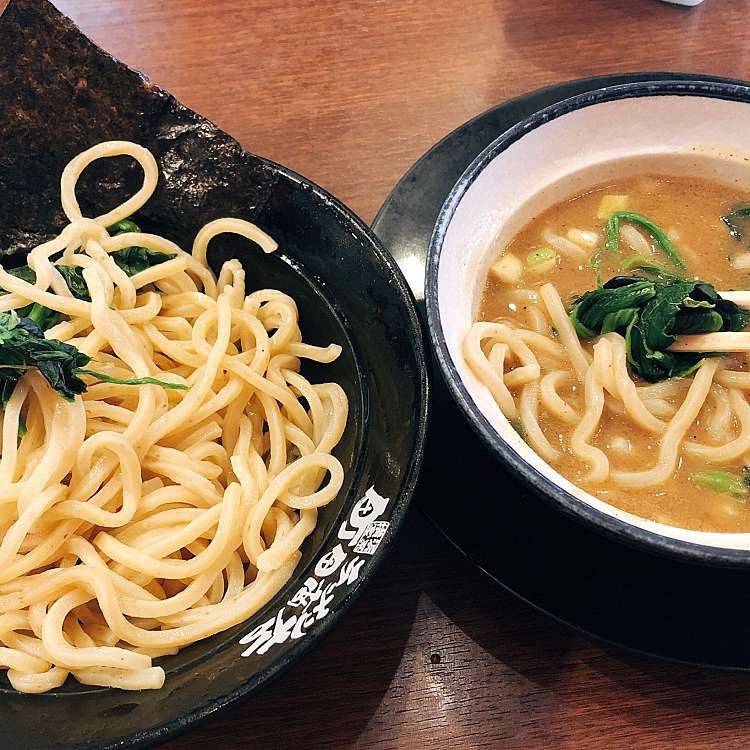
601, 587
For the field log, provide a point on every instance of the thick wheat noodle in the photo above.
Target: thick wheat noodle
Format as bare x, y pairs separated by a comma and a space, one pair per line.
663, 389
135, 520
565, 331
604, 369
732, 379
659, 407
733, 449
528, 410
671, 439
551, 399
540, 343
625, 388
719, 421
584, 431
493, 380
538, 320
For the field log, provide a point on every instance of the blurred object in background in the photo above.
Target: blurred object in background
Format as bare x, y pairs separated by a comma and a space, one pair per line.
683, 2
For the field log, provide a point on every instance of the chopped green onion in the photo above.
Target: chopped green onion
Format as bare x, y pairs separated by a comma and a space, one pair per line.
719, 480
540, 255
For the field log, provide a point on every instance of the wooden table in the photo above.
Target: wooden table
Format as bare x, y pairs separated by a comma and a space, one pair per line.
350, 94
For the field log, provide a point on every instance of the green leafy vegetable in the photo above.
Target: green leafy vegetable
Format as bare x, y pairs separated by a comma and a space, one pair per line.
132, 260
658, 235
126, 225
73, 276
132, 381
619, 319
23, 347
734, 220
42, 316
24, 273
639, 261
539, 256
620, 292
651, 310
719, 480
22, 429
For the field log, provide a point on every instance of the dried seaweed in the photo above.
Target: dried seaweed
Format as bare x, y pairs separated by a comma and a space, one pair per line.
60, 93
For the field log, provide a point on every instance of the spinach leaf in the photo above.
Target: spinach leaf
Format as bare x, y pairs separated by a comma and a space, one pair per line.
24, 273
697, 321
126, 225
651, 311
619, 319
592, 308
133, 260
658, 235
517, 425
639, 261
132, 381
42, 316
595, 262
24, 347
73, 276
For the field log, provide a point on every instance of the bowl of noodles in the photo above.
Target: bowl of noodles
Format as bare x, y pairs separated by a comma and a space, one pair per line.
587, 309
213, 397
183, 481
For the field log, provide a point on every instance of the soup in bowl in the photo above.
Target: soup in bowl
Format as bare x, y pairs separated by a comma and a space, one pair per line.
584, 297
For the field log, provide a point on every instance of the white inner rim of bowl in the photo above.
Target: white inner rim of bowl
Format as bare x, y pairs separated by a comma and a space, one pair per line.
670, 135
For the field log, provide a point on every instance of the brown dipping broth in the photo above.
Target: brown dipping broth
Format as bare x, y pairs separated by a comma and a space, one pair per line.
691, 208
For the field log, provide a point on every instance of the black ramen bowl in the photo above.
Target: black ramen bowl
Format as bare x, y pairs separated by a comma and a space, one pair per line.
556, 152
348, 290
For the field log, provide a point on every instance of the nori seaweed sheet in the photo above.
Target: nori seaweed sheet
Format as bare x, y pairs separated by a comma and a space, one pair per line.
60, 93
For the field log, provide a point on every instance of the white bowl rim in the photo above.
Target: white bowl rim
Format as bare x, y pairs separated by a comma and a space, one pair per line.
539, 482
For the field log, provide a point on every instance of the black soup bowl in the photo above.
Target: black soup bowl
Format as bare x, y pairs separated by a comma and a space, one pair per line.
348, 290
557, 152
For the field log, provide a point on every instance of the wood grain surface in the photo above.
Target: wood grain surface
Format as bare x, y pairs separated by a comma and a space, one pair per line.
350, 94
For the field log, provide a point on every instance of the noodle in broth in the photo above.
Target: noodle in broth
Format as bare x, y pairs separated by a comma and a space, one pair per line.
640, 446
